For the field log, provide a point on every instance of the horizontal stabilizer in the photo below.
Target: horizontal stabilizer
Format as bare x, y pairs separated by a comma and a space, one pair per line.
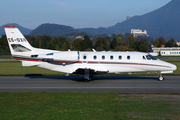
30, 63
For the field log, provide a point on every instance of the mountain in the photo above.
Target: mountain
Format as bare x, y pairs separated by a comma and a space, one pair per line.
164, 21
52, 29
25, 31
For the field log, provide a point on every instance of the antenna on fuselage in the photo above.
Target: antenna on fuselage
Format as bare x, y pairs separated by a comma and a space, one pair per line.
93, 50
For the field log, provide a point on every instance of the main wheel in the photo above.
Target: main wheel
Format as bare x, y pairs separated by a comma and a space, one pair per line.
85, 80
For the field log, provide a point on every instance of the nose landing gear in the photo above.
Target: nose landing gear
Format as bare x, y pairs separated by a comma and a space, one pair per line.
161, 78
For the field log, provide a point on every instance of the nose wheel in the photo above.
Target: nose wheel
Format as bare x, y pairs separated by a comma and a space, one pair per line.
161, 78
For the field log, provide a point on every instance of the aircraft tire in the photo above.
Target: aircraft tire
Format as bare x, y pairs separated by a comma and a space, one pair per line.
161, 78
85, 80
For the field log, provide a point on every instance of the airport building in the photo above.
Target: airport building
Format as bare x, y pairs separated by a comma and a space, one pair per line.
166, 51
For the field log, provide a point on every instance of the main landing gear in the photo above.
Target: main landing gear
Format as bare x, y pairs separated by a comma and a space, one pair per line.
161, 78
87, 76
86, 79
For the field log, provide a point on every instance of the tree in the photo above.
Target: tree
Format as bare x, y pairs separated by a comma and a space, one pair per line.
156, 43
64, 46
4, 48
86, 43
131, 42
101, 44
142, 45
171, 43
162, 41
77, 43
142, 48
119, 40
113, 43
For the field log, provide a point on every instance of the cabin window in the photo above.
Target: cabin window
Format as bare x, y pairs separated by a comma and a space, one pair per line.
103, 57
128, 57
84, 57
95, 57
111, 57
120, 57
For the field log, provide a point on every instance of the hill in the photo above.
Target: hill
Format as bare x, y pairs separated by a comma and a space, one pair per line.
164, 22
161, 22
25, 31
52, 29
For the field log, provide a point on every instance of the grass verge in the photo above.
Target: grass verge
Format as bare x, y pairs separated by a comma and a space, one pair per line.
15, 68
149, 107
89, 106
60, 106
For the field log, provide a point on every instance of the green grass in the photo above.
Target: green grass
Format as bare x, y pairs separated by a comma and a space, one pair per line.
149, 107
41, 106
15, 68
88, 106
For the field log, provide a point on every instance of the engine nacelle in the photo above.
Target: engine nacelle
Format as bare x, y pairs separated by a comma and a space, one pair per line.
66, 56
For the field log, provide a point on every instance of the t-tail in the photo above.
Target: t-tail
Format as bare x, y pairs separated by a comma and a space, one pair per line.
19, 46
16, 41
21, 49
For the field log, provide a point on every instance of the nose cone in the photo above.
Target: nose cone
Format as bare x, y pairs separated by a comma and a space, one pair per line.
168, 66
171, 66
174, 67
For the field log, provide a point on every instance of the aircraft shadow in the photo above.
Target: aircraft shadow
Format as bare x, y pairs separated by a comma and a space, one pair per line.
95, 78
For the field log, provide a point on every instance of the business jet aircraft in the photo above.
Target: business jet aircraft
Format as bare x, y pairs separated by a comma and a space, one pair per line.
84, 63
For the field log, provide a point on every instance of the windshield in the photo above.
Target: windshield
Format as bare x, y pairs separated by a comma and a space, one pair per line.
150, 57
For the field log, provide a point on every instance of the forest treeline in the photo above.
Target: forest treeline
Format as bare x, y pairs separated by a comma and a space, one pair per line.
86, 44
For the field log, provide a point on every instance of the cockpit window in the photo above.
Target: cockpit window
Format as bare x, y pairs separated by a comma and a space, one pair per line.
144, 58
153, 58
150, 57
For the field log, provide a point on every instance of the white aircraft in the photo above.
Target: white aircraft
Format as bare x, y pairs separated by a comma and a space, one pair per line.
84, 63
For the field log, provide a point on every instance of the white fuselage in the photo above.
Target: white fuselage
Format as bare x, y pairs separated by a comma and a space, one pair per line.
108, 62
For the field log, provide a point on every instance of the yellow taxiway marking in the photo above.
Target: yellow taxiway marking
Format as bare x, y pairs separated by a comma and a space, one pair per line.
84, 87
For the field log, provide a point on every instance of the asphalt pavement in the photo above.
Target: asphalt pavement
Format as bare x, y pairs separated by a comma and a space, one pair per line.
117, 84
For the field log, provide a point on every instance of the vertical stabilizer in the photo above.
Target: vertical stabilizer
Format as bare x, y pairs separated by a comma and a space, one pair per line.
16, 41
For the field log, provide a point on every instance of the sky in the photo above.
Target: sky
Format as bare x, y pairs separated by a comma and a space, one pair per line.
75, 13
